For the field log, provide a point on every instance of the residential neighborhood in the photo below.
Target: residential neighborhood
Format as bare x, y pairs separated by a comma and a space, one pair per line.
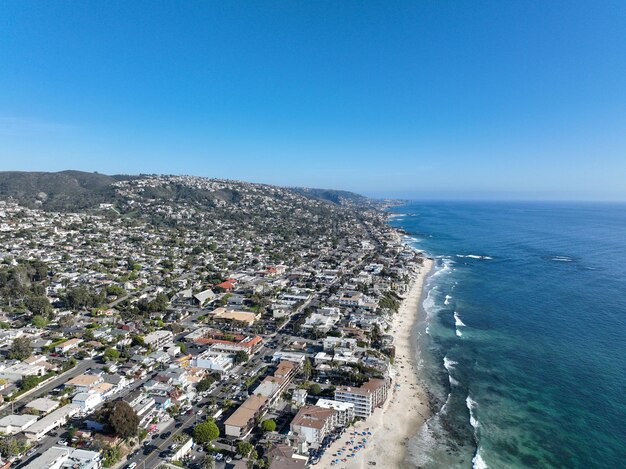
193, 322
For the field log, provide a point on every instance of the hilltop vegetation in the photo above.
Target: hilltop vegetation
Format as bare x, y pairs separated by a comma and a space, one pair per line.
68, 191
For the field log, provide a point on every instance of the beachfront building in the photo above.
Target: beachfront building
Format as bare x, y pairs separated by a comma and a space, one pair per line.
344, 411
366, 398
313, 423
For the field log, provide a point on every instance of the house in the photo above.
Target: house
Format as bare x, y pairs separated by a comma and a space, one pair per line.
299, 396
11, 424
119, 382
68, 345
204, 297
66, 457
42, 405
331, 343
282, 456
20, 370
366, 398
83, 383
241, 422
313, 423
351, 298
228, 284
320, 321
87, 401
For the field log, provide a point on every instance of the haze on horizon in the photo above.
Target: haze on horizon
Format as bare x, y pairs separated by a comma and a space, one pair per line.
496, 100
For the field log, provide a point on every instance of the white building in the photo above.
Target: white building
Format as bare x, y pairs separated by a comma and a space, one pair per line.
87, 401
159, 339
365, 398
214, 361
331, 343
344, 411
18, 371
62, 458
12, 424
43, 405
51, 421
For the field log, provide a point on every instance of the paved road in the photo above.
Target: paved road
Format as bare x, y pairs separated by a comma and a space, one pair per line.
80, 368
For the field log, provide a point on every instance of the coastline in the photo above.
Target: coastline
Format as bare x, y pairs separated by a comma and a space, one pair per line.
407, 405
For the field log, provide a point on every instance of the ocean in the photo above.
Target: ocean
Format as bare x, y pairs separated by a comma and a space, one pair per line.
523, 338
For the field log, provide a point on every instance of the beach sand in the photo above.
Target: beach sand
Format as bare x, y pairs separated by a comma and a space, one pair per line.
406, 408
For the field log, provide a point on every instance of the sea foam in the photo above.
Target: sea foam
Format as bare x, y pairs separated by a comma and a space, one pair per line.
449, 364
457, 320
478, 462
471, 406
474, 256
447, 300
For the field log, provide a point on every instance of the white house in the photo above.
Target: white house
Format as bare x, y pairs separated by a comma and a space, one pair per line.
12, 424
87, 401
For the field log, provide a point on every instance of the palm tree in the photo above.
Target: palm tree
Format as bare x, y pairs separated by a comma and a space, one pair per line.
207, 462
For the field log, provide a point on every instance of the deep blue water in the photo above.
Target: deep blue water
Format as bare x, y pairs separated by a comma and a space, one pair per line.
532, 334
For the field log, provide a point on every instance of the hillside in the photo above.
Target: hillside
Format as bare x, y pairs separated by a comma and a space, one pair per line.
77, 190
62, 191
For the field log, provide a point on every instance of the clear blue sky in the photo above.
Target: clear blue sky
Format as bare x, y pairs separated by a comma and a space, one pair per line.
421, 98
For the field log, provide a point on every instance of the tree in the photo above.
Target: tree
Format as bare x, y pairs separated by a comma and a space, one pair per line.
204, 433
39, 305
207, 462
28, 382
315, 389
307, 369
204, 384
241, 357
11, 446
20, 349
111, 355
269, 425
244, 448
110, 456
39, 321
119, 418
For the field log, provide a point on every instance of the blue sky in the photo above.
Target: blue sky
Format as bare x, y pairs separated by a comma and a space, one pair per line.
490, 99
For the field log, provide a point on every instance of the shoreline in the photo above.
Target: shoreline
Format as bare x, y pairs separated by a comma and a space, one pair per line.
407, 405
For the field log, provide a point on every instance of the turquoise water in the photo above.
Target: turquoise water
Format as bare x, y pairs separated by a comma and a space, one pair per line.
524, 339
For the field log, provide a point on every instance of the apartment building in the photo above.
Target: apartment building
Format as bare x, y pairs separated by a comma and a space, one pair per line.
365, 398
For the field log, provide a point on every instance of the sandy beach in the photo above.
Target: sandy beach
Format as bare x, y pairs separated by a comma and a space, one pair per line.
406, 408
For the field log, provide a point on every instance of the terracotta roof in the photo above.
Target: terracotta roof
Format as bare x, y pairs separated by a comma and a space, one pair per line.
312, 417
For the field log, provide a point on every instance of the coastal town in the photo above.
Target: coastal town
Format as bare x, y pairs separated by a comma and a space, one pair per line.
175, 321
